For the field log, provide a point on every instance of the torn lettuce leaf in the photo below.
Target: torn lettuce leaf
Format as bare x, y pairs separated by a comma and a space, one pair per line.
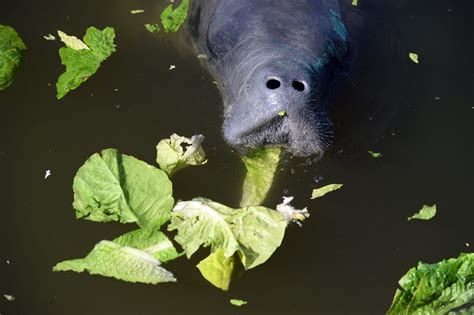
12, 54
261, 166
111, 186
172, 19
237, 302
82, 64
177, 152
319, 192
217, 269
110, 259
72, 41
253, 232
436, 288
150, 240
426, 213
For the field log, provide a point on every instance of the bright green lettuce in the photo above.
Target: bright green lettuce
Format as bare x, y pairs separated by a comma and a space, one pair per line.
436, 288
426, 213
82, 64
172, 19
319, 192
12, 54
237, 302
110, 259
177, 152
112, 186
217, 269
261, 166
152, 28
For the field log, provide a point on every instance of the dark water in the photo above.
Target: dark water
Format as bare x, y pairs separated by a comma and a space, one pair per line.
345, 260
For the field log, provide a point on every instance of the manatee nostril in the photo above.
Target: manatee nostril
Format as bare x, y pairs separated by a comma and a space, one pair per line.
273, 84
299, 86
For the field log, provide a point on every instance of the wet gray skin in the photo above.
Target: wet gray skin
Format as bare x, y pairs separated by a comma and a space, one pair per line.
275, 62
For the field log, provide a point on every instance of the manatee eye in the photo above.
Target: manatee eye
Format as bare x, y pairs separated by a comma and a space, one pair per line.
299, 86
273, 84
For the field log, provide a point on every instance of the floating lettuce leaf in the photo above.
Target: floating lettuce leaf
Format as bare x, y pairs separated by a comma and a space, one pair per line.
152, 28
375, 155
237, 302
426, 213
436, 288
82, 64
177, 152
12, 54
110, 259
72, 41
319, 192
414, 57
261, 166
111, 186
217, 269
150, 240
172, 19
252, 232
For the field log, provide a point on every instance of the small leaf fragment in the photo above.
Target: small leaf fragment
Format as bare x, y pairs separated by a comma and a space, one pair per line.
72, 41
217, 269
261, 166
9, 297
413, 57
138, 11
319, 192
172, 19
282, 113
49, 37
178, 152
426, 213
152, 28
375, 155
237, 302
355, 2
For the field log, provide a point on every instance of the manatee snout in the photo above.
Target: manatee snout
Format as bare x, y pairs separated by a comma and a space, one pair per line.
277, 102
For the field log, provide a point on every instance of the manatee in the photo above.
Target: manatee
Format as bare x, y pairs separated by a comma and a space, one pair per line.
275, 62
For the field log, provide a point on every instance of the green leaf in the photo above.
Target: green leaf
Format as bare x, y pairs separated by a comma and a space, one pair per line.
375, 155
82, 64
110, 259
172, 19
12, 54
150, 240
319, 192
177, 152
254, 232
436, 288
111, 186
152, 28
261, 166
426, 213
282, 113
138, 11
217, 269
237, 302
414, 57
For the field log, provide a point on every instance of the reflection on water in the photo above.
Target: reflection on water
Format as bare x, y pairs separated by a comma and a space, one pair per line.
347, 257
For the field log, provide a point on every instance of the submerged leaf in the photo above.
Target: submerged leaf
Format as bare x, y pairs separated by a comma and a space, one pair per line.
12, 54
436, 288
261, 166
152, 28
319, 192
177, 152
111, 186
110, 259
82, 64
237, 302
253, 232
72, 41
426, 213
217, 269
172, 19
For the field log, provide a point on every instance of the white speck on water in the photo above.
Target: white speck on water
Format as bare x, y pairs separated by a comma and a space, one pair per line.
8, 262
47, 174
117, 106
92, 94
116, 90
172, 67
467, 244
203, 56
437, 98
9, 297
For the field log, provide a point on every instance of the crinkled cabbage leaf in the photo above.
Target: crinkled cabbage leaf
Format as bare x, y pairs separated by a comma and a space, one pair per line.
12, 54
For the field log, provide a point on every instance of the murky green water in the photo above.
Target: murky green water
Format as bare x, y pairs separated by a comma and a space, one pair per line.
345, 260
